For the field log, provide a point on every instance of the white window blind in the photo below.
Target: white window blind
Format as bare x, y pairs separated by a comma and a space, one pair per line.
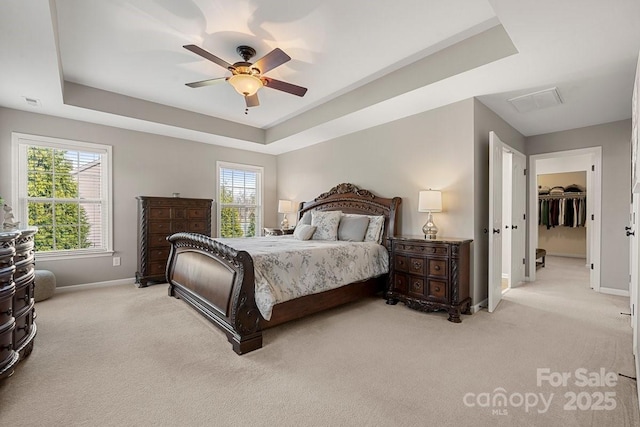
64, 190
239, 200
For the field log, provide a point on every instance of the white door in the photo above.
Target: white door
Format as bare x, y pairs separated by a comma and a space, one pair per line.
518, 211
496, 148
633, 264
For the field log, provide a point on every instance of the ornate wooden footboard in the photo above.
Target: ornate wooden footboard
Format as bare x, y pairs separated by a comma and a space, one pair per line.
218, 281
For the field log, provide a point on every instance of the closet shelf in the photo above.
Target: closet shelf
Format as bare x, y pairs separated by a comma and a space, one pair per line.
566, 195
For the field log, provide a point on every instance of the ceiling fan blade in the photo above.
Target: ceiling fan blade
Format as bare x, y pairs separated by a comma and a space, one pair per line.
209, 82
284, 86
206, 55
252, 101
271, 60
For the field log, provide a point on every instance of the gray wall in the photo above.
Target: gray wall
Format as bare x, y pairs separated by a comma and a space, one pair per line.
432, 149
143, 164
614, 138
485, 121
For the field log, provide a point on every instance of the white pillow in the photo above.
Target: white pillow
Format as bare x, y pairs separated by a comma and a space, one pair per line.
304, 231
374, 230
326, 224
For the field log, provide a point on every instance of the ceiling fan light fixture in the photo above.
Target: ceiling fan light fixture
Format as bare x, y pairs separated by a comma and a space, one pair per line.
245, 84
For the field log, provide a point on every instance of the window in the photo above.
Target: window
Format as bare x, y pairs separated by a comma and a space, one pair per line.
63, 187
239, 200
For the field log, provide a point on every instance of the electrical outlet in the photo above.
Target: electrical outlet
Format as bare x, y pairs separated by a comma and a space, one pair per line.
116, 261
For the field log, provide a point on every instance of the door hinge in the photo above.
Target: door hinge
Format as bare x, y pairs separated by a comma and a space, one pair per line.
592, 217
523, 261
593, 168
592, 266
525, 172
524, 216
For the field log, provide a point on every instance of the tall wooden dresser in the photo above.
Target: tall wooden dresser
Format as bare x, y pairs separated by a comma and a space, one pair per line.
17, 306
431, 275
159, 217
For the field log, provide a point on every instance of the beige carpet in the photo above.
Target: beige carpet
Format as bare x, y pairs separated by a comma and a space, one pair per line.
127, 356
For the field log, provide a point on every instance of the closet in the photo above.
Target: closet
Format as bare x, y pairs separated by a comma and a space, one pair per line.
562, 214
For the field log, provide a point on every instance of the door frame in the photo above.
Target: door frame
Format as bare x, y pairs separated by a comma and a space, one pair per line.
594, 204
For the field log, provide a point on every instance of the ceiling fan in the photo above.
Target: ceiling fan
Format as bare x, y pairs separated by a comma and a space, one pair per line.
247, 78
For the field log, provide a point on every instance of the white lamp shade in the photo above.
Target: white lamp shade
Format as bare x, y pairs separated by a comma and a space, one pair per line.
285, 206
430, 201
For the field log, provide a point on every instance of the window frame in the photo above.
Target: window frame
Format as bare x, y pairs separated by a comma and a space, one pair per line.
259, 170
19, 173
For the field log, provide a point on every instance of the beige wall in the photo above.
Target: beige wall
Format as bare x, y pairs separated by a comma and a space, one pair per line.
143, 164
563, 241
614, 138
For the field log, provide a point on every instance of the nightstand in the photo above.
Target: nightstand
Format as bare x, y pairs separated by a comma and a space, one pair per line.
430, 275
277, 231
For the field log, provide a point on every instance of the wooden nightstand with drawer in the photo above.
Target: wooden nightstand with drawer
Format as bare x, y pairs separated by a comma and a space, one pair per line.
431, 275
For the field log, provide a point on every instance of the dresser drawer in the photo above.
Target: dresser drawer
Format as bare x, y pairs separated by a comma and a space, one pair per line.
400, 283
197, 213
422, 248
160, 227
179, 226
178, 213
24, 323
197, 226
157, 268
6, 304
401, 263
437, 267
158, 241
437, 290
22, 298
159, 213
159, 254
6, 344
416, 286
417, 265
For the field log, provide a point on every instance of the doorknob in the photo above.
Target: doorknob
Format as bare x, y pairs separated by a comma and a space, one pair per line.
496, 231
631, 233
514, 227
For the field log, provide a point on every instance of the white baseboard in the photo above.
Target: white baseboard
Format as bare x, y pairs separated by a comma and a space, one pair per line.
117, 282
566, 255
505, 275
477, 307
612, 291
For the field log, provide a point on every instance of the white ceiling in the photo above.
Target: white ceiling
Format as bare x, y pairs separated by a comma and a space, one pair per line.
121, 63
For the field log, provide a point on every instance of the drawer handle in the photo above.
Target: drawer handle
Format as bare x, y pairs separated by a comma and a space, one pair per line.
26, 297
436, 268
7, 347
437, 288
9, 312
416, 285
417, 265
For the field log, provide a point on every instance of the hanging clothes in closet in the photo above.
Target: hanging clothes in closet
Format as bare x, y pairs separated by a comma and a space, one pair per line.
562, 207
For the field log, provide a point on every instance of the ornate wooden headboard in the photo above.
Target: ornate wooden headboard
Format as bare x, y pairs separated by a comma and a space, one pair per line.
350, 199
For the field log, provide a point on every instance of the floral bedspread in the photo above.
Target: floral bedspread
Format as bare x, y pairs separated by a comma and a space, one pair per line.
286, 268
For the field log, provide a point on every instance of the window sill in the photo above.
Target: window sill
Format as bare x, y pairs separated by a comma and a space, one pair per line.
65, 255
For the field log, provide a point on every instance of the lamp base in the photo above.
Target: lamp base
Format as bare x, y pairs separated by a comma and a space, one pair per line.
429, 229
285, 223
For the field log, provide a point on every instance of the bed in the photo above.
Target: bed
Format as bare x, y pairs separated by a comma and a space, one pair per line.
219, 281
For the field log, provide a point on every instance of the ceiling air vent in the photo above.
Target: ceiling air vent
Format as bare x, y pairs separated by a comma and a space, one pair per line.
536, 100
33, 102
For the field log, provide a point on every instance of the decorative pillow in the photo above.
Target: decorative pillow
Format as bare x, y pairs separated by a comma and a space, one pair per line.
306, 218
326, 224
353, 228
374, 231
304, 231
